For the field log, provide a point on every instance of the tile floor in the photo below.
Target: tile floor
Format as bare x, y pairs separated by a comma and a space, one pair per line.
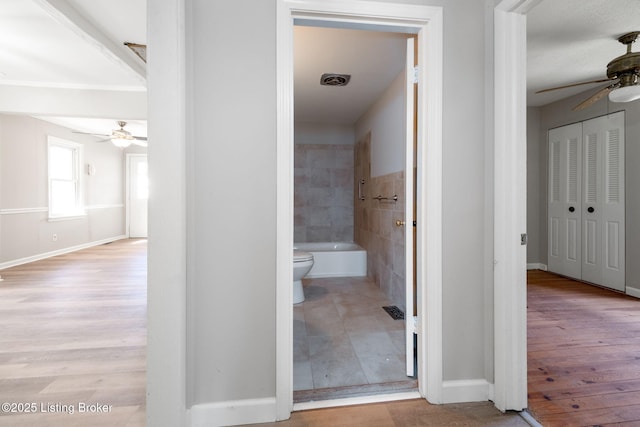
343, 337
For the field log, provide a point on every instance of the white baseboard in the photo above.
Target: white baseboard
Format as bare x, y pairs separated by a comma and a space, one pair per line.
230, 413
466, 391
537, 266
634, 292
57, 252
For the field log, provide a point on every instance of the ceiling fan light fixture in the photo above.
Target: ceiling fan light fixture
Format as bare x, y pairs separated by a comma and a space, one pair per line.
625, 94
121, 142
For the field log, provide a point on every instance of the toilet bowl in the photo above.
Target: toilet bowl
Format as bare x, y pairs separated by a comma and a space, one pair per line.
302, 263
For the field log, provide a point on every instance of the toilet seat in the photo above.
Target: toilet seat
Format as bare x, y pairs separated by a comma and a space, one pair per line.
300, 256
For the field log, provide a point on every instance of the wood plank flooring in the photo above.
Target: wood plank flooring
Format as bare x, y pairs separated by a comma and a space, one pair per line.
73, 332
583, 353
404, 413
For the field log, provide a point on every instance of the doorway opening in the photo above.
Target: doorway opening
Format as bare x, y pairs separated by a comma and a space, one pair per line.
426, 24
353, 333
137, 195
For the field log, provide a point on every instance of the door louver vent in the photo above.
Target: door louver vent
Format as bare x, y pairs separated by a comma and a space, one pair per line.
572, 196
613, 166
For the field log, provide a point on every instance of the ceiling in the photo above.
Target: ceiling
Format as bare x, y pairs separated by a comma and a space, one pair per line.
72, 50
373, 59
572, 41
69, 56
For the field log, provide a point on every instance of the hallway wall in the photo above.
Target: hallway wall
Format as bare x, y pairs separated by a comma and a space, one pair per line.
225, 199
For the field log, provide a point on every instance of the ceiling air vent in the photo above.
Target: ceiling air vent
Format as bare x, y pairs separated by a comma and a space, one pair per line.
332, 79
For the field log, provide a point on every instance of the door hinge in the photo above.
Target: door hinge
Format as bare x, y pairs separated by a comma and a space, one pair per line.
416, 75
415, 325
524, 239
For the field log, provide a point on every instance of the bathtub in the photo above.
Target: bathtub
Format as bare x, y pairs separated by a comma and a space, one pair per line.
335, 259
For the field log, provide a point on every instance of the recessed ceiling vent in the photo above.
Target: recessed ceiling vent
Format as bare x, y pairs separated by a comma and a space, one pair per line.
332, 79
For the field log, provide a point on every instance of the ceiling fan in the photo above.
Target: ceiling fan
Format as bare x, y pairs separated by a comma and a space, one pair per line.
623, 71
121, 137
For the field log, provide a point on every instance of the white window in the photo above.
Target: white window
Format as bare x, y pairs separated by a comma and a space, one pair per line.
65, 186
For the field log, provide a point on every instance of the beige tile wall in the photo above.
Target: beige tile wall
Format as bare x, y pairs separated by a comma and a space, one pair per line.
374, 224
323, 193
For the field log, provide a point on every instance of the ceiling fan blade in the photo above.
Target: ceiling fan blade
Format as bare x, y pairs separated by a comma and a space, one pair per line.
89, 133
573, 84
140, 138
594, 98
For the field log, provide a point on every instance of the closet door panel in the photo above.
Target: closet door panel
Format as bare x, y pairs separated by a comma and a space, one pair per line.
554, 241
603, 206
612, 245
592, 204
554, 262
573, 249
565, 251
591, 243
613, 271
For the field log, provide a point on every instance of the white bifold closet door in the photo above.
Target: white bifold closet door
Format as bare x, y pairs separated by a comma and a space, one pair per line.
565, 247
603, 201
586, 201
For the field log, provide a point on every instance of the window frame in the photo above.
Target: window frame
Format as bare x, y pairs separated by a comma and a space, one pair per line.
77, 178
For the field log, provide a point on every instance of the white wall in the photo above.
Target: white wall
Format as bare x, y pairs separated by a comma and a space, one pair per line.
467, 184
230, 206
26, 232
558, 114
233, 182
385, 119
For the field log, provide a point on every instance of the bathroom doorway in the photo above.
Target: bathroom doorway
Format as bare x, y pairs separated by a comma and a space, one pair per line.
354, 150
426, 22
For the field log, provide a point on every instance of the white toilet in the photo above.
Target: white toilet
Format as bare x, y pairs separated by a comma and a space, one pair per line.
302, 263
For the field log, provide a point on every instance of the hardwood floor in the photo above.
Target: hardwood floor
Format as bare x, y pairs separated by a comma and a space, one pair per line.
73, 332
404, 413
583, 353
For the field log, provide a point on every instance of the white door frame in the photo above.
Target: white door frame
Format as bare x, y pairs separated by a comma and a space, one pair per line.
167, 260
128, 189
428, 23
510, 165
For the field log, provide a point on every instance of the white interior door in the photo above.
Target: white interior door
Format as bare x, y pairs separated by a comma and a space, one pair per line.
603, 202
409, 207
138, 193
565, 153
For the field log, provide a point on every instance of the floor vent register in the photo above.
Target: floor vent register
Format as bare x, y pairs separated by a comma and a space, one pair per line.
394, 312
